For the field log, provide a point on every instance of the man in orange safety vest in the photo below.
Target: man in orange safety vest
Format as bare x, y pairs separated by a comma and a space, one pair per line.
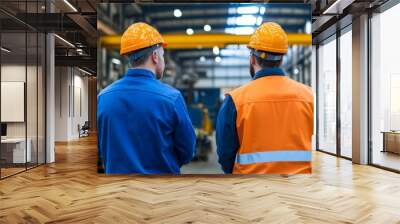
266, 126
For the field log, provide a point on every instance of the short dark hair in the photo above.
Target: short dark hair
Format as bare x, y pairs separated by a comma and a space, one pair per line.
268, 64
140, 61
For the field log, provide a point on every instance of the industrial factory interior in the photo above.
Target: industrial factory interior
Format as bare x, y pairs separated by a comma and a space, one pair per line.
207, 57
57, 56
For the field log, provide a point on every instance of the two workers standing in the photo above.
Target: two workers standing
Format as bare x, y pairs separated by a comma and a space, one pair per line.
263, 127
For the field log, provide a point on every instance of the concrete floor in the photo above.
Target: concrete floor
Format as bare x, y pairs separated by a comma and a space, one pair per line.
209, 167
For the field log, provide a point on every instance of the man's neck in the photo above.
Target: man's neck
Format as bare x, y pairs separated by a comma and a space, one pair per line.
256, 69
146, 68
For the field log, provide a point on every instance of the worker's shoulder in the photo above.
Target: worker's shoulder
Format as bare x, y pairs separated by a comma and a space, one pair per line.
169, 91
269, 88
155, 87
110, 88
302, 87
239, 89
300, 91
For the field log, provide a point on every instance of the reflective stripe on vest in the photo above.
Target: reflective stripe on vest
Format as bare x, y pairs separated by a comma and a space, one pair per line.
274, 156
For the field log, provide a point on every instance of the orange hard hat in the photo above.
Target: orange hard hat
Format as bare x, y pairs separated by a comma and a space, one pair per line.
269, 37
138, 36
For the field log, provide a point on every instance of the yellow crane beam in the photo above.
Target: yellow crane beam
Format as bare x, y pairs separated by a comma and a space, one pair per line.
183, 41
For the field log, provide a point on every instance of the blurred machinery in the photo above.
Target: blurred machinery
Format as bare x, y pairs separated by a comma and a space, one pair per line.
203, 105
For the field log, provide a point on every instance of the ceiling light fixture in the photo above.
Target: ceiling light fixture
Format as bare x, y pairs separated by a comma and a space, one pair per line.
262, 10
189, 31
177, 13
333, 6
70, 5
216, 50
207, 28
5, 50
116, 61
247, 10
84, 71
64, 40
218, 59
240, 30
296, 71
259, 20
246, 20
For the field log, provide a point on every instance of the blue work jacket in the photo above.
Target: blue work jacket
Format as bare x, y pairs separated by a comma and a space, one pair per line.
143, 126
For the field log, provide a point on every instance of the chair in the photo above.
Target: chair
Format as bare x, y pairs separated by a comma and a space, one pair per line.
84, 130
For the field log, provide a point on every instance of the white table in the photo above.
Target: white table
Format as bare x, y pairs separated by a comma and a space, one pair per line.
18, 144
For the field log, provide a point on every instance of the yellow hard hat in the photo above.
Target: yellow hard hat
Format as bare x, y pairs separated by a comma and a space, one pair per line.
138, 36
269, 37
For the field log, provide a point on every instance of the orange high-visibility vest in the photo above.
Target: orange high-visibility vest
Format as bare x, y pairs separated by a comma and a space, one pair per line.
274, 122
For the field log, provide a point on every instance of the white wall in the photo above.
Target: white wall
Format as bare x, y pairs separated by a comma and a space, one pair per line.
79, 117
70, 83
61, 103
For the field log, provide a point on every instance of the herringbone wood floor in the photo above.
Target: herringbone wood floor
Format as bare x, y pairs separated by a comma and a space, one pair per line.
70, 191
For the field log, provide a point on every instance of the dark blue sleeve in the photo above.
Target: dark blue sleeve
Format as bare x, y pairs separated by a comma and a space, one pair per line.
184, 136
226, 136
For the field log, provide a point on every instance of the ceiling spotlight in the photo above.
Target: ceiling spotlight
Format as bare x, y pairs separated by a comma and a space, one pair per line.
259, 20
177, 13
70, 5
216, 50
308, 27
262, 10
5, 50
189, 31
249, 20
207, 28
296, 71
65, 41
84, 71
245, 30
247, 10
218, 59
116, 61
333, 8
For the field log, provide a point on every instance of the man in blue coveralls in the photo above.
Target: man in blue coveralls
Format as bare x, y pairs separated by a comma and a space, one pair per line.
143, 124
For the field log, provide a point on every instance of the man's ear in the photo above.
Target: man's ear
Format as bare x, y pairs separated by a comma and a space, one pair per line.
154, 57
252, 60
